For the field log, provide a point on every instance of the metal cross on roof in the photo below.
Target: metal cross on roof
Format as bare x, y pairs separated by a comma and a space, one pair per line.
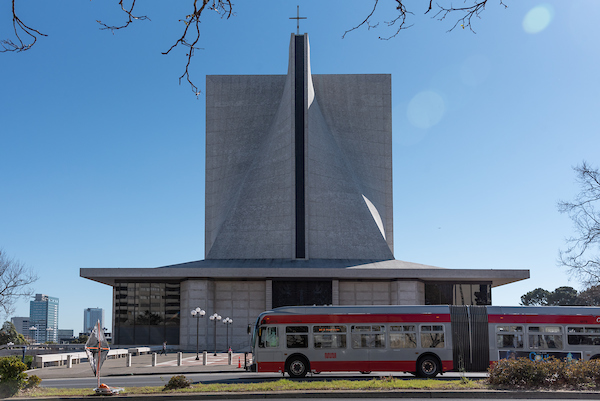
297, 18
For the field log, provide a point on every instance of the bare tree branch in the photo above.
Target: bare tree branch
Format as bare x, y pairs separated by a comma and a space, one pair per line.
580, 257
365, 21
223, 7
465, 15
19, 26
130, 16
15, 279
400, 20
190, 37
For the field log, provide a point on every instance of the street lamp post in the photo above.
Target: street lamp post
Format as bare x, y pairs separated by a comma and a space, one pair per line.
35, 330
215, 318
49, 333
227, 321
198, 313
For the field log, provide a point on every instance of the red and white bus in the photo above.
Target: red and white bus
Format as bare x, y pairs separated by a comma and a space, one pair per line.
425, 340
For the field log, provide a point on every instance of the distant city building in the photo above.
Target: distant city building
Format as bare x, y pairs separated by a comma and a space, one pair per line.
90, 317
43, 318
21, 324
64, 335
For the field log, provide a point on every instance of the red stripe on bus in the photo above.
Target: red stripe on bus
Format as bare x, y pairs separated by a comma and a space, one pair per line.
356, 318
544, 319
353, 366
269, 366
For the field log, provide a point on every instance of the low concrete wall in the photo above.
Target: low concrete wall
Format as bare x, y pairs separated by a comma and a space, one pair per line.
46, 360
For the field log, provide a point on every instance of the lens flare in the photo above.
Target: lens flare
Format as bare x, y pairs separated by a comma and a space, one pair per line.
426, 109
538, 18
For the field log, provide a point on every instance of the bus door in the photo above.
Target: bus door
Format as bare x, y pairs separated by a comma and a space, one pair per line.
368, 344
269, 348
403, 344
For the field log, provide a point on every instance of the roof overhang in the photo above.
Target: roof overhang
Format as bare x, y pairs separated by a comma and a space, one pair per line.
257, 269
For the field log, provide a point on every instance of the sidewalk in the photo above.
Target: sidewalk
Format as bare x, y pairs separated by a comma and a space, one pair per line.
142, 365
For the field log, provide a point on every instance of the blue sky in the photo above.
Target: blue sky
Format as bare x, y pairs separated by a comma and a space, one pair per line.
103, 152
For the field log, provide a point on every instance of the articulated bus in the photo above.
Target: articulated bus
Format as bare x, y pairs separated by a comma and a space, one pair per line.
423, 340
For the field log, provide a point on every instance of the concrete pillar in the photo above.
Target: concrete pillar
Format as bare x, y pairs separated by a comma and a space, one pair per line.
335, 292
128, 363
154, 358
269, 295
179, 358
204, 356
69, 361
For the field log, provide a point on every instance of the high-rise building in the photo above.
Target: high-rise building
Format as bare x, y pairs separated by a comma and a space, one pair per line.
43, 318
21, 324
90, 317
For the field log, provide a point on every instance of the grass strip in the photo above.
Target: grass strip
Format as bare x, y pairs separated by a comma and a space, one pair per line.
386, 383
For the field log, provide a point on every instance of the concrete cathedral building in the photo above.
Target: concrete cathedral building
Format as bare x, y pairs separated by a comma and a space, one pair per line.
299, 211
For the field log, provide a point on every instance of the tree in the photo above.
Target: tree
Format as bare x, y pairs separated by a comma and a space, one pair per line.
537, 297
563, 296
589, 297
581, 256
82, 339
25, 36
15, 279
9, 334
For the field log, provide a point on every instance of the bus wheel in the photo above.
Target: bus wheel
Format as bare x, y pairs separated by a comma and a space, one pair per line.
297, 366
428, 367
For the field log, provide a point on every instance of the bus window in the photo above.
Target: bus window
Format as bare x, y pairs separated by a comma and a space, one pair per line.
509, 336
403, 337
539, 340
368, 336
583, 335
329, 336
432, 336
379, 337
268, 337
296, 336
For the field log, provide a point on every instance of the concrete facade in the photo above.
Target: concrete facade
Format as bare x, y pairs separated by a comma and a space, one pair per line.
250, 187
298, 199
381, 293
241, 301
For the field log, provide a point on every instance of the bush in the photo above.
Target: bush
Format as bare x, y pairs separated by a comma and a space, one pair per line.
524, 372
12, 378
176, 382
33, 381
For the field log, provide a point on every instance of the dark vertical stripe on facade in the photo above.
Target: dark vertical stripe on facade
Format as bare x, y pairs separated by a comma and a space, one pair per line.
299, 146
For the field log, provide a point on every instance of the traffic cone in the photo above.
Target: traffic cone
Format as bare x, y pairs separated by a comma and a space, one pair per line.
239, 362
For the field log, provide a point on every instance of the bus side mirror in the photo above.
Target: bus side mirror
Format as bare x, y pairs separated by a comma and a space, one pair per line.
249, 329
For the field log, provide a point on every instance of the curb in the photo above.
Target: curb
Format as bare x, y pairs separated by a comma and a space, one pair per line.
163, 373
446, 394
